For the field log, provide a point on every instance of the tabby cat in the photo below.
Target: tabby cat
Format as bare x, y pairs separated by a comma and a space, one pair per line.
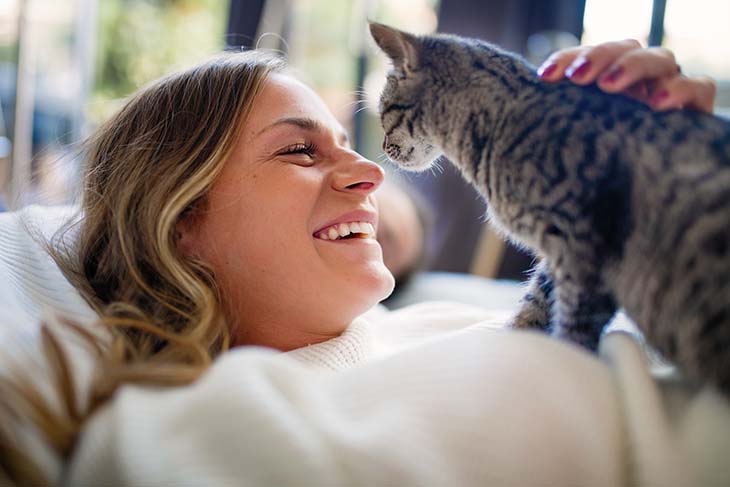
624, 206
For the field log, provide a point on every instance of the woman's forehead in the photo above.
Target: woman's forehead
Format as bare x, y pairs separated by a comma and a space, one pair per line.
283, 96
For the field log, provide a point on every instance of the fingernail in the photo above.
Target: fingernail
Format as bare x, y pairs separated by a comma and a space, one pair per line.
578, 69
546, 69
613, 75
659, 97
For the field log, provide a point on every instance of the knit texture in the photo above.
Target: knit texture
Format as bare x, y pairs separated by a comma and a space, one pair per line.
380, 332
478, 406
30, 281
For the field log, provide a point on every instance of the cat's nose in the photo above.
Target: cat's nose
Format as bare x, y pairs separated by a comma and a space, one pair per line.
385, 141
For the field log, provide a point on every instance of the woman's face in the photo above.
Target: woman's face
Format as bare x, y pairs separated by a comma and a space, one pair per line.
273, 219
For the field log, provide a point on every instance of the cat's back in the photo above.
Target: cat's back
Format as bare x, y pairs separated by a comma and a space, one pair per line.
677, 261
591, 109
674, 151
680, 166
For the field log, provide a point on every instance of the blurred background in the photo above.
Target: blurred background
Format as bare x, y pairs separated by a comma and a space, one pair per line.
66, 65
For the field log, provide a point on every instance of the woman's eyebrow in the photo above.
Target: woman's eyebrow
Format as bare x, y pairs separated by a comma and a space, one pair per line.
308, 124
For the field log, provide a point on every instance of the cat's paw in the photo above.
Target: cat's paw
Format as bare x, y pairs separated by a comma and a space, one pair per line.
586, 340
530, 318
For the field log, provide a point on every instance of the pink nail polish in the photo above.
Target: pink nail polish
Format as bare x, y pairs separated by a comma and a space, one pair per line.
659, 97
578, 69
613, 75
546, 70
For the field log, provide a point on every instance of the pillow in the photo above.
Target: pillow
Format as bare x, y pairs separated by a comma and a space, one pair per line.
32, 288
31, 284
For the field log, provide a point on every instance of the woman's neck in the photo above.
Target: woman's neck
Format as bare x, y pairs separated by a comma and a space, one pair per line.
283, 337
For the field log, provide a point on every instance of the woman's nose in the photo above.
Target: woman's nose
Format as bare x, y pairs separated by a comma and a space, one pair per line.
358, 175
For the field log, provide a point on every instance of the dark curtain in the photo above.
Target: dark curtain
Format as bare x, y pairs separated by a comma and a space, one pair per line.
243, 21
458, 208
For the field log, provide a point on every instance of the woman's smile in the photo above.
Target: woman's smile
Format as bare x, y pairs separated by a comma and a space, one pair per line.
343, 231
360, 223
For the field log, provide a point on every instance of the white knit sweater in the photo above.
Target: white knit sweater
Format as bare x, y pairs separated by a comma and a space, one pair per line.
477, 406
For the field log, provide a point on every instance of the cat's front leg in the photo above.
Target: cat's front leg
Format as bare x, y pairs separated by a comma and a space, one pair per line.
581, 309
534, 311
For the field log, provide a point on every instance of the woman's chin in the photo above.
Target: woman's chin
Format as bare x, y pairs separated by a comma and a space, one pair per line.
389, 285
355, 292
379, 284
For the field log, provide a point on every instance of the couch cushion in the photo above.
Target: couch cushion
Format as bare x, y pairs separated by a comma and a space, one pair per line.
31, 284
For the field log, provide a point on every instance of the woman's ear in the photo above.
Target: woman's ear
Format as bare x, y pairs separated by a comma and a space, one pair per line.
187, 235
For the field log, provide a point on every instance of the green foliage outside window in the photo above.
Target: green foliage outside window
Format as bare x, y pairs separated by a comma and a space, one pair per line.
141, 40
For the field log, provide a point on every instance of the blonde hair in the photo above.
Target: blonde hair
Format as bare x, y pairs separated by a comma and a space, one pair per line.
147, 167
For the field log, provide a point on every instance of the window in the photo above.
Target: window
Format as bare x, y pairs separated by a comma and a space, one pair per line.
697, 31
610, 20
81, 59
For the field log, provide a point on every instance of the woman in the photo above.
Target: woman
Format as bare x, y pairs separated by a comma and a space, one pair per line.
223, 206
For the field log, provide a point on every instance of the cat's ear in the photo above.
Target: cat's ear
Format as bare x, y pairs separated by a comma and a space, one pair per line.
402, 48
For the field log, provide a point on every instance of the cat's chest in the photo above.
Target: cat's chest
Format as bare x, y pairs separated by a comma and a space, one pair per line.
518, 222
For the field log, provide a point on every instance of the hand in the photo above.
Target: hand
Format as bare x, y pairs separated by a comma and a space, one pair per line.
650, 75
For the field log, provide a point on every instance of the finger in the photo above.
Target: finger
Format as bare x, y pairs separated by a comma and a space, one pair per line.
638, 65
641, 90
587, 67
553, 68
692, 93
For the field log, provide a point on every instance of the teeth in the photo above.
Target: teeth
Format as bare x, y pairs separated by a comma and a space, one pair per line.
335, 232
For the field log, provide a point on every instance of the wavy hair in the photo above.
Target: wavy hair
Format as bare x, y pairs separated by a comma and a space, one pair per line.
146, 168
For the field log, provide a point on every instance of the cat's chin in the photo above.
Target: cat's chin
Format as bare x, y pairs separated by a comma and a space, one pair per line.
415, 160
415, 165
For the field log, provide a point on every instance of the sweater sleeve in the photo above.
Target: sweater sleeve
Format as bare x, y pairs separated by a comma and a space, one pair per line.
473, 408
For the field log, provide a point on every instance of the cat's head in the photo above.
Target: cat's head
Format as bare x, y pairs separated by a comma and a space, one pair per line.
410, 85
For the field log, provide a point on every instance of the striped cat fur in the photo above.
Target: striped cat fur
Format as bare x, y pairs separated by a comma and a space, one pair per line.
624, 207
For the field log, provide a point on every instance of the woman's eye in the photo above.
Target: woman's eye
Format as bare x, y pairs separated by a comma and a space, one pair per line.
307, 149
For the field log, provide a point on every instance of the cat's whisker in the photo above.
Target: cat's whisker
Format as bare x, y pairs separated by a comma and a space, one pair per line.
353, 103
437, 167
364, 107
360, 105
359, 97
362, 93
